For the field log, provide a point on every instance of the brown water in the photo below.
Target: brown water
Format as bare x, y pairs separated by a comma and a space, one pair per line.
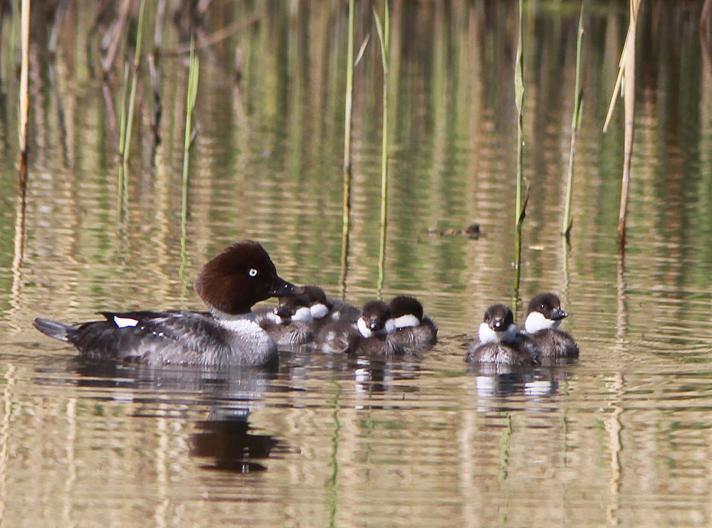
622, 437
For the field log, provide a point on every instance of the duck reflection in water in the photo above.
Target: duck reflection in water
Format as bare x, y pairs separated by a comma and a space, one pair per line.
498, 387
226, 440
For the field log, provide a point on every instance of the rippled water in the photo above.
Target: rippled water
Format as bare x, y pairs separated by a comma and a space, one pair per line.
621, 437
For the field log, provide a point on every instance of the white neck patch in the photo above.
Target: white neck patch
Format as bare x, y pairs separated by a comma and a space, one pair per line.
123, 322
537, 321
363, 329
406, 321
302, 314
248, 316
319, 310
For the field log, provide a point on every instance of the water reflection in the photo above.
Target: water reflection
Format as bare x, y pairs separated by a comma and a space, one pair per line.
633, 415
226, 440
498, 387
371, 375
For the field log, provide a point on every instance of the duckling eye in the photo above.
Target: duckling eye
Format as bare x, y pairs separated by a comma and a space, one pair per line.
252, 272
541, 306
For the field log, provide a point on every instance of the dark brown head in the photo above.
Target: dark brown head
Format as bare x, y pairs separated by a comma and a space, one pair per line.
547, 304
544, 312
406, 305
242, 275
499, 317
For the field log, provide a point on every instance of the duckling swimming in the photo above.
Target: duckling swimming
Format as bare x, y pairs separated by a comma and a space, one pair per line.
544, 315
501, 342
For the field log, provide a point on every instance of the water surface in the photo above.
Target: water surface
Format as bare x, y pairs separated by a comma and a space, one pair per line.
622, 437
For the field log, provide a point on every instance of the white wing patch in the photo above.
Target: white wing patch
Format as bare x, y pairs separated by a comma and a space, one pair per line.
123, 322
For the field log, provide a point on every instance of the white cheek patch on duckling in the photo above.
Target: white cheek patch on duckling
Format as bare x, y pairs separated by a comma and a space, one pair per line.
278, 320
302, 314
363, 329
486, 334
389, 327
319, 310
406, 321
123, 322
537, 321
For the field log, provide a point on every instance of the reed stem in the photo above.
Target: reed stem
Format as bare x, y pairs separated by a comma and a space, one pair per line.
384, 40
346, 203
24, 85
349, 89
629, 97
125, 146
520, 204
575, 123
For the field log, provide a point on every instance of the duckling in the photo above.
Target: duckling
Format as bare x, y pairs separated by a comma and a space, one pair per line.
369, 335
544, 315
290, 322
501, 342
413, 330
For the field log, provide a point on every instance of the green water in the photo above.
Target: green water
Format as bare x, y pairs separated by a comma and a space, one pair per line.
622, 437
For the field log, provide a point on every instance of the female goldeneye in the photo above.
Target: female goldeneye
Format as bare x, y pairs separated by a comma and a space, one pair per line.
501, 342
544, 316
230, 284
413, 330
369, 335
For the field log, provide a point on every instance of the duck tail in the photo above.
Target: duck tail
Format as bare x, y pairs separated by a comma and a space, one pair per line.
53, 329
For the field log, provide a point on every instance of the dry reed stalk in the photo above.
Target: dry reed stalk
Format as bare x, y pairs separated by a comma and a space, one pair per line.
24, 86
575, 122
626, 71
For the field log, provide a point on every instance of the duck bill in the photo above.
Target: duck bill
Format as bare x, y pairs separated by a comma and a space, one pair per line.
558, 314
282, 288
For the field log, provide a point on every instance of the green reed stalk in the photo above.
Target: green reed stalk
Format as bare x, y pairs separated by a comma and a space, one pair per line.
384, 40
520, 204
24, 85
346, 203
190, 100
121, 196
125, 139
575, 123
349, 89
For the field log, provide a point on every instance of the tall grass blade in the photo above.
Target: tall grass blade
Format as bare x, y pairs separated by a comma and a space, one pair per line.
190, 100
126, 144
575, 122
384, 40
